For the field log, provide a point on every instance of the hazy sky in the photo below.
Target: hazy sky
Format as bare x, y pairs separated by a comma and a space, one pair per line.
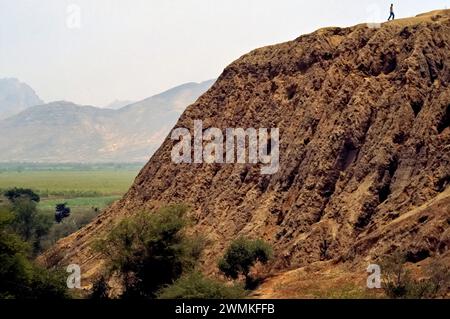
96, 51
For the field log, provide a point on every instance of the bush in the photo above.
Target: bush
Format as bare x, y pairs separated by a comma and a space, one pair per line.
27, 223
16, 193
396, 278
72, 224
439, 277
243, 254
197, 286
19, 277
48, 284
100, 289
399, 284
149, 251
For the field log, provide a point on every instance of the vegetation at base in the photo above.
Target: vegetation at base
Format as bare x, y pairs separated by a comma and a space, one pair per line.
28, 196
399, 284
26, 222
196, 286
153, 257
100, 289
86, 188
20, 278
73, 223
241, 256
37, 226
150, 250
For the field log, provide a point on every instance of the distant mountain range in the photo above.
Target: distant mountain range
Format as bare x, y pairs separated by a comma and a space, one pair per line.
15, 97
66, 132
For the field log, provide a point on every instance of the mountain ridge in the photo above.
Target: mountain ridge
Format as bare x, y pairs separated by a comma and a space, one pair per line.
16, 96
63, 131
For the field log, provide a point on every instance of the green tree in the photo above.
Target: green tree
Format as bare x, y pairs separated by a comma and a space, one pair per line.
242, 255
399, 284
16, 193
196, 286
150, 250
396, 277
28, 223
19, 277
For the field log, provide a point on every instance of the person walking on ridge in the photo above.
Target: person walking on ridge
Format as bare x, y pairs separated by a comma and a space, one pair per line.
392, 15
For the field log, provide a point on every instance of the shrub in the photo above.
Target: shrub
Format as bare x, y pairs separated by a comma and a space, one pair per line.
196, 286
48, 284
438, 279
396, 278
72, 224
28, 223
243, 254
399, 284
149, 251
19, 277
100, 289
16, 193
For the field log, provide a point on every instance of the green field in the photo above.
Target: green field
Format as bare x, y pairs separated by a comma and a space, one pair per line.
87, 190
79, 203
70, 182
80, 189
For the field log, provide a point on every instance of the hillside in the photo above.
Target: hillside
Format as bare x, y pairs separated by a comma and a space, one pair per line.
15, 97
65, 132
364, 118
118, 104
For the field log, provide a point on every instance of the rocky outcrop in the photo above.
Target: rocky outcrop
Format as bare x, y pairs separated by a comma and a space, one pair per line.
363, 115
15, 97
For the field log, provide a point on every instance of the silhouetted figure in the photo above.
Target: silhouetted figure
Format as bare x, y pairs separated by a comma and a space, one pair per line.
392, 15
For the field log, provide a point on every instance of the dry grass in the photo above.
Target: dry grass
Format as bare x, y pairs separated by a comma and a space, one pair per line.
320, 280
